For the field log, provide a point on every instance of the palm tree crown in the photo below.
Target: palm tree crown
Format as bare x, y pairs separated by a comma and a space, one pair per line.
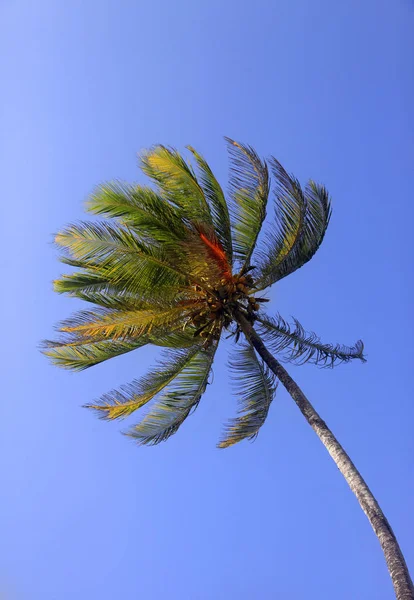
176, 265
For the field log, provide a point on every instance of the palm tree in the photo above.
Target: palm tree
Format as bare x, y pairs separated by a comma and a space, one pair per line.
177, 266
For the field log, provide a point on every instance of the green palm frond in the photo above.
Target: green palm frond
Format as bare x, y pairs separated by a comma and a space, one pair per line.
218, 205
302, 218
116, 254
80, 355
257, 387
113, 299
249, 191
77, 352
177, 402
121, 403
176, 182
181, 338
97, 290
139, 208
84, 281
301, 347
93, 287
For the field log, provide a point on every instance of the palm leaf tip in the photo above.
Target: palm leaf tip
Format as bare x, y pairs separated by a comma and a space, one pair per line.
255, 397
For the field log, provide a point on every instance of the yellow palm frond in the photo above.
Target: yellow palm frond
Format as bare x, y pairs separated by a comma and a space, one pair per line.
114, 324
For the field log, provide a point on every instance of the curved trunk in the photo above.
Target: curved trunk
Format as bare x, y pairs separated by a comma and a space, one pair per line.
397, 567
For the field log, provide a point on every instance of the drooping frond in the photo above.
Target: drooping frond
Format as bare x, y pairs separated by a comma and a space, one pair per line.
123, 402
249, 191
218, 205
117, 255
288, 227
80, 355
257, 388
302, 218
141, 209
176, 182
299, 346
177, 402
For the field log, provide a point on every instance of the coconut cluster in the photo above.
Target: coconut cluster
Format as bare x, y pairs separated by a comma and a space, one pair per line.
216, 307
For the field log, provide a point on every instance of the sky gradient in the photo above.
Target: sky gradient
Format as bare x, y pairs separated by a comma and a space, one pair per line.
328, 89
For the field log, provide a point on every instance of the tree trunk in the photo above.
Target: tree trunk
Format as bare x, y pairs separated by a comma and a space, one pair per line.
397, 567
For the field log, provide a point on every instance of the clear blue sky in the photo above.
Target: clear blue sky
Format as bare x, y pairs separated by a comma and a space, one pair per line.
328, 88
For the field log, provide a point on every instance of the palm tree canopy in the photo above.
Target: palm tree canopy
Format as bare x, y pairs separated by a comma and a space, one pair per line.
174, 265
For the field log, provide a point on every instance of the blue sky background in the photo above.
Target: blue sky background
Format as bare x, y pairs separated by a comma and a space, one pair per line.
328, 88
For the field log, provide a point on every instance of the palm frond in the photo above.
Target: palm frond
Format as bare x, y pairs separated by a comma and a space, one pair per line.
249, 191
217, 202
123, 402
116, 254
76, 352
302, 218
110, 298
177, 402
96, 289
300, 346
85, 281
139, 208
180, 338
176, 182
257, 388
81, 354
102, 323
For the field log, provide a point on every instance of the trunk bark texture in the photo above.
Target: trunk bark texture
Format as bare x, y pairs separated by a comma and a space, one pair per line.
397, 567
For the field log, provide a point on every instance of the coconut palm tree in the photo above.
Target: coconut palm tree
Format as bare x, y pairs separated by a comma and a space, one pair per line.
178, 265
